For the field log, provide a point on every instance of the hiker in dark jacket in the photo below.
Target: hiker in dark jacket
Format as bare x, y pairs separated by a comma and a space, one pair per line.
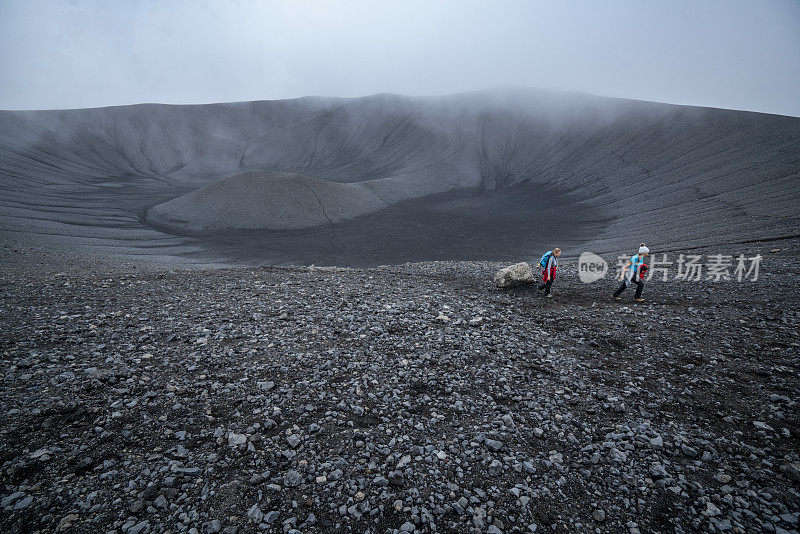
549, 265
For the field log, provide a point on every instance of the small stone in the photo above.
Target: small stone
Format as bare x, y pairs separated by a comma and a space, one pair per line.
150, 492
494, 445
234, 440
266, 386
657, 471
137, 506
255, 514
67, 522
292, 479
41, 453
23, 503
495, 468
142, 526
599, 515
617, 455
712, 510
11, 499
689, 451
792, 470
529, 467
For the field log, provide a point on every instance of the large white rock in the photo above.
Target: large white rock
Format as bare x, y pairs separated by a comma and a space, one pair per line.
518, 273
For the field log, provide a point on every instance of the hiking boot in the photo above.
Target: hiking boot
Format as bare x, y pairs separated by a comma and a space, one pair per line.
639, 300
617, 298
549, 296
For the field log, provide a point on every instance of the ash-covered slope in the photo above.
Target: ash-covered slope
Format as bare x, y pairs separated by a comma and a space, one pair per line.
669, 175
266, 200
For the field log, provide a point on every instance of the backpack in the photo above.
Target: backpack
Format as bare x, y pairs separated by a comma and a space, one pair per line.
545, 259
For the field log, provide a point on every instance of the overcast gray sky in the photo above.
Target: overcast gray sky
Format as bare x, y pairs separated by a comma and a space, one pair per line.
66, 54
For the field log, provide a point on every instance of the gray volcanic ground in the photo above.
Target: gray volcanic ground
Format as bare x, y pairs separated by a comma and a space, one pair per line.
415, 397
386, 179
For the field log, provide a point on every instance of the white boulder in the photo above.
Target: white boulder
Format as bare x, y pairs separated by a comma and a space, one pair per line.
519, 273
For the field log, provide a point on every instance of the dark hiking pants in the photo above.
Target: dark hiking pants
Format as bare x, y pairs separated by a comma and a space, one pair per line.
546, 286
625, 283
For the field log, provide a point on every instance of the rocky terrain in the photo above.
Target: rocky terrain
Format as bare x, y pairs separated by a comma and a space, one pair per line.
407, 398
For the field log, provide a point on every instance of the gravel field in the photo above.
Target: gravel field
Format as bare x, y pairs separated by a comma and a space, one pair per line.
414, 398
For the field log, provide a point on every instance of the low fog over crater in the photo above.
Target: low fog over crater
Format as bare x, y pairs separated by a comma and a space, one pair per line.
311, 179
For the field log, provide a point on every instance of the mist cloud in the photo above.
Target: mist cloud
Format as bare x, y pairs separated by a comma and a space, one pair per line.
55, 54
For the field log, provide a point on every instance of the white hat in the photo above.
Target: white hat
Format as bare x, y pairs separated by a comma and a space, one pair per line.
644, 250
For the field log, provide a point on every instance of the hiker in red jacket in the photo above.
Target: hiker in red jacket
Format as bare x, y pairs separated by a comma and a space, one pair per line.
549, 265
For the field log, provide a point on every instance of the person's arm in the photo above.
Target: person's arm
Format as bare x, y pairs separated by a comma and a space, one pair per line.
547, 269
622, 274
